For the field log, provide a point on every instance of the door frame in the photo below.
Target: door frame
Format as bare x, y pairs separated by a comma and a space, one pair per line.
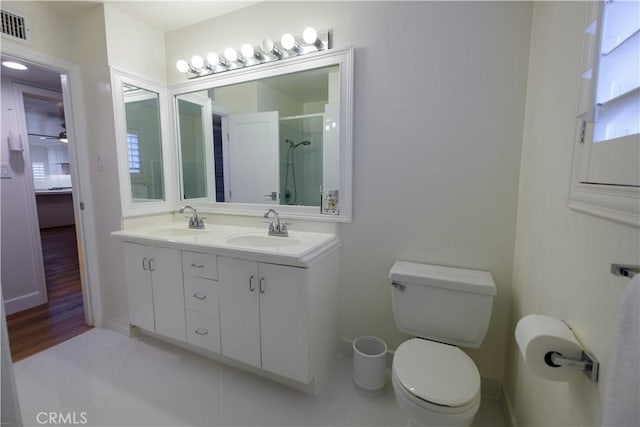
72, 96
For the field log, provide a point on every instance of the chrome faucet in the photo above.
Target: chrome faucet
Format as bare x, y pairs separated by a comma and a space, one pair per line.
195, 221
280, 229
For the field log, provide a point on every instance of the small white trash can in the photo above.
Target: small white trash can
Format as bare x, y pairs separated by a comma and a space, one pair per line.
369, 365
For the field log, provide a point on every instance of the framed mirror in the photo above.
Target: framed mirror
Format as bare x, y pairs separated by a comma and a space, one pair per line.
278, 134
142, 139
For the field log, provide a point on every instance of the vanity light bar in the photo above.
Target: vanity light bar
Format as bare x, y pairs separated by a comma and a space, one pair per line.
287, 47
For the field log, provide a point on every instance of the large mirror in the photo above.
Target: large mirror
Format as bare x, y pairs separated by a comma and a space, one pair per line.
280, 137
140, 115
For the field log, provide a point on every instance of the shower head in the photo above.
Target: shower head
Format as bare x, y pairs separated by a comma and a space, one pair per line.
301, 143
294, 145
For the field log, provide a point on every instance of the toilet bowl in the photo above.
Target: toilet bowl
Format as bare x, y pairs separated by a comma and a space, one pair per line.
435, 384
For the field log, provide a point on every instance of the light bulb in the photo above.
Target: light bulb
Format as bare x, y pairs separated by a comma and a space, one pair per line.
267, 45
288, 41
310, 35
231, 54
213, 58
247, 50
197, 61
182, 66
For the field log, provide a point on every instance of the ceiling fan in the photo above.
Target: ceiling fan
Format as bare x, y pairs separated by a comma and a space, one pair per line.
62, 136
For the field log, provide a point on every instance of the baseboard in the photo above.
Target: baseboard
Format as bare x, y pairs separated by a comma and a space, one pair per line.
507, 409
24, 302
119, 328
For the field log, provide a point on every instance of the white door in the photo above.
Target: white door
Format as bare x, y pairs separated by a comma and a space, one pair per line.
283, 321
139, 292
239, 310
168, 294
254, 167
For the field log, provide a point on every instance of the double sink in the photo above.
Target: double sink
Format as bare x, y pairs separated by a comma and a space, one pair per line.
300, 248
248, 240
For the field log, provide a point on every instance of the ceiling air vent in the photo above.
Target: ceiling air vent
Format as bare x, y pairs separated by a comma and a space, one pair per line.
15, 26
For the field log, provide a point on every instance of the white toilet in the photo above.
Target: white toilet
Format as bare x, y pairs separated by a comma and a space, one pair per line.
435, 382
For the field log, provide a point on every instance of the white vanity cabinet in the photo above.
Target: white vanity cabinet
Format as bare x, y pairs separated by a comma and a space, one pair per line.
154, 289
264, 316
273, 312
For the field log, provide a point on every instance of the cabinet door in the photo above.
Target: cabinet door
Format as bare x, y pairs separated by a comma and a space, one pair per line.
139, 292
283, 321
239, 310
168, 293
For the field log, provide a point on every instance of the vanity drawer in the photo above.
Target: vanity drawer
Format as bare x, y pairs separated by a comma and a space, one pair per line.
201, 295
199, 265
203, 331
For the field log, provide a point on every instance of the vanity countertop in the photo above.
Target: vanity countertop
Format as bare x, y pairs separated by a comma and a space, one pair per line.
300, 249
53, 191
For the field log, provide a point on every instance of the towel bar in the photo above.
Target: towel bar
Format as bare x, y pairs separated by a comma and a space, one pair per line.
626, 270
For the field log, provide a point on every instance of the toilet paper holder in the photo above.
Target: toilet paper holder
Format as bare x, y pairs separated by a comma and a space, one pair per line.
587, 363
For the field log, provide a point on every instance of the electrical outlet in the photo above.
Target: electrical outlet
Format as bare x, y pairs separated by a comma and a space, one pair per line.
5, 171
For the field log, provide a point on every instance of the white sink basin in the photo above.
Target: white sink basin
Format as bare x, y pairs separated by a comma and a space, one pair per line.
261, 241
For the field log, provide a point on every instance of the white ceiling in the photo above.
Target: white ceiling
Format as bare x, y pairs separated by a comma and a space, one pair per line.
161, 15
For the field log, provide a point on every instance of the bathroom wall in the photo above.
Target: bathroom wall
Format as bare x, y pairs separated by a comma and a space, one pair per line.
439, 110
91, 55
562, 257
134, 46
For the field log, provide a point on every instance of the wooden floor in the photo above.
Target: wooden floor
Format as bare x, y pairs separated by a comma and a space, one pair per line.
62, 317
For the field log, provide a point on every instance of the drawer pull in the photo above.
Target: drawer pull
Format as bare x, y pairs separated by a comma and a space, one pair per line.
201, 332
199, 296
194, 265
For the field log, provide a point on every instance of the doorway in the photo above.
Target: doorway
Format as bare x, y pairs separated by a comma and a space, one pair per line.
43, 294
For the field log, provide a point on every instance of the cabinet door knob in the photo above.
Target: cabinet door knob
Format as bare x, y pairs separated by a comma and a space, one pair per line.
152, 264
262, 285
144, 264
251, 287
201, 332
199, 296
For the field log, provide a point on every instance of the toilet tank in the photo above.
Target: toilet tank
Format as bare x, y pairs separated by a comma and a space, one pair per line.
445, 304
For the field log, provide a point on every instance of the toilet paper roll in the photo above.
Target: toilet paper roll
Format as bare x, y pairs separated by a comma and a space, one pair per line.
538, 335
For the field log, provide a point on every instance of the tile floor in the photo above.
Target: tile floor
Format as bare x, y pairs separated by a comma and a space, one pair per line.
123, 381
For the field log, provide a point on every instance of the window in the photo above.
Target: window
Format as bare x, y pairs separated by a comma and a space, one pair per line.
133, 152
618, 80
606, 168
39, 172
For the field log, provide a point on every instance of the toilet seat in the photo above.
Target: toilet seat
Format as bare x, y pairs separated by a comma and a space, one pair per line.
436, 374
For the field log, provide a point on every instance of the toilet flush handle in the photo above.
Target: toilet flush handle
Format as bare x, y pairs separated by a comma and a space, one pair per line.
399, 286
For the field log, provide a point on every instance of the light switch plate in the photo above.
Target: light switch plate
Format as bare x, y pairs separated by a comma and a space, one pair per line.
5, 171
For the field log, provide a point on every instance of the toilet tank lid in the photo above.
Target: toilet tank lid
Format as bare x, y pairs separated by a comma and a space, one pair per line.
462, 279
